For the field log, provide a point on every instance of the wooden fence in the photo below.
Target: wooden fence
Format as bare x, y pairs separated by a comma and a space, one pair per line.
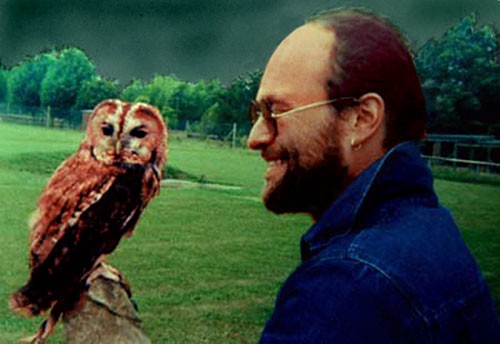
478, 153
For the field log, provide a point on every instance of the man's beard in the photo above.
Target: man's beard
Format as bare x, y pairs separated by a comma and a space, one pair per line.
308, 189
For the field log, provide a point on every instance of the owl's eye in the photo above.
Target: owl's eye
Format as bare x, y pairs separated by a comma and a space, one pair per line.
138, 132
107, 129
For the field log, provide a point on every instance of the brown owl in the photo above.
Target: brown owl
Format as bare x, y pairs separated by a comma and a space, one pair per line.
93, 199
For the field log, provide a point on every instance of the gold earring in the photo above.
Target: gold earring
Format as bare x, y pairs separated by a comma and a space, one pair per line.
355, 146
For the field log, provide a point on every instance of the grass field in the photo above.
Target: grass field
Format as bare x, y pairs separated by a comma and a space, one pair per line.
204, 265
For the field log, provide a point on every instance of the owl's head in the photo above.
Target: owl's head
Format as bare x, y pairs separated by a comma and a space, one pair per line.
129, 133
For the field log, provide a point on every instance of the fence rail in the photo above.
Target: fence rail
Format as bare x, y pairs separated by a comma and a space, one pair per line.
438, 150
30, 120
477, 166
41, 116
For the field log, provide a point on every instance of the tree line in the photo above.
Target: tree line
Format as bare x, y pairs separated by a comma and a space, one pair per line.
460, 74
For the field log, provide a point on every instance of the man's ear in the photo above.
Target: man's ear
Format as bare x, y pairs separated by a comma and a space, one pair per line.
368, 119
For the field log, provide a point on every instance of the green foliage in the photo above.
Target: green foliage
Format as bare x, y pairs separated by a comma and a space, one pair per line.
3, 85
132, 91
461, 78
232, 105
64, 78
242, 91
211, 120
94, 91
160, 93
207, 102
26, 79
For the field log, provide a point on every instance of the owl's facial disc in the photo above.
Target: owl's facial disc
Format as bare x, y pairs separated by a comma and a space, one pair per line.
103, 130
123, 133
108, 148
143, 131
135, 147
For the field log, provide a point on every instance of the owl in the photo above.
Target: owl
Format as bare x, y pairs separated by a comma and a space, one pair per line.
93, 199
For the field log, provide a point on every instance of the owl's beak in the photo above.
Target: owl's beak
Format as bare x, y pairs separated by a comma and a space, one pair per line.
118, 146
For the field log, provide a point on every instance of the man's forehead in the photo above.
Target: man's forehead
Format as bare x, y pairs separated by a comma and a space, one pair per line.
302, 59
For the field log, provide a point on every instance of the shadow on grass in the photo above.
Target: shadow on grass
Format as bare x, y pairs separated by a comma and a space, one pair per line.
45, 163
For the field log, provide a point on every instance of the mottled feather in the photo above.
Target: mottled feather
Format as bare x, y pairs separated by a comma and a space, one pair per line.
65, 197
93, 199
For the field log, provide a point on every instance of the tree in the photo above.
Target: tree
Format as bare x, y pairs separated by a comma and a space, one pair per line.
26, 79
211, 104
94, 91
133, 91
191, 100
3, 85
458, 73
64, 78
243, 91
232, 104
160, 93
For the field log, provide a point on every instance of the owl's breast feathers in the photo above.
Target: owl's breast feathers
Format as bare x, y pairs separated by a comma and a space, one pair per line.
82, 214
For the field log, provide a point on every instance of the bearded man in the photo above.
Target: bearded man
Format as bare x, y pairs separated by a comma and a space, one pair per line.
336, 116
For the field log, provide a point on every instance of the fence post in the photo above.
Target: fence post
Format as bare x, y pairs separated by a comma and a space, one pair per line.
455, 155
234, 135
47, 117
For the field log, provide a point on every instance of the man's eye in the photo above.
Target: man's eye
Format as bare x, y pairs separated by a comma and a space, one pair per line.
278, 107
277, 110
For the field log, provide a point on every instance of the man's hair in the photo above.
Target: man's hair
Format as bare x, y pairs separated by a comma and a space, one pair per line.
370, 55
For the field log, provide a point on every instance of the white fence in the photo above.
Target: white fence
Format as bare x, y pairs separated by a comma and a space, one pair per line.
476, 166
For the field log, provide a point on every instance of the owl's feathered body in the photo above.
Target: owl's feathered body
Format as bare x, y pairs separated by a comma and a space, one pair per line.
93, 199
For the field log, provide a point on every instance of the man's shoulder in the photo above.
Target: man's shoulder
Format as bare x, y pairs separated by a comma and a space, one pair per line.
404, 276
417, 250
331, 298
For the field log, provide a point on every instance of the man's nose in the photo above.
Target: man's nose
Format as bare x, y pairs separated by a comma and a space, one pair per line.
262, 134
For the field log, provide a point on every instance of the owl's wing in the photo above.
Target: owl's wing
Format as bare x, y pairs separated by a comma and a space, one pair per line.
78, 183
67, 260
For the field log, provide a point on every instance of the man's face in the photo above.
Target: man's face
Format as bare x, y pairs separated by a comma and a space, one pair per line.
304, 150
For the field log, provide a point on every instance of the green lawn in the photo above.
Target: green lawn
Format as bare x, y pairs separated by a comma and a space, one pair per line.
204, 265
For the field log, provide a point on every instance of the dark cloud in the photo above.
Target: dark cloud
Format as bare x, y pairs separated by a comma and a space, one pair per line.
194, 40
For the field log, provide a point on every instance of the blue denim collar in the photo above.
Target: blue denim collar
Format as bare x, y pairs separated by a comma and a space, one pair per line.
399, 174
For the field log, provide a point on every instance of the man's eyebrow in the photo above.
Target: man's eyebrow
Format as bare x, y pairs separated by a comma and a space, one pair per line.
274, 100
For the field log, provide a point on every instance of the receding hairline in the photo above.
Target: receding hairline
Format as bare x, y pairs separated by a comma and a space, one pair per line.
330, 17
344, 12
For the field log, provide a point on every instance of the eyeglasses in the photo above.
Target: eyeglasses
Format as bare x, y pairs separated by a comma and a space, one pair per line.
257, 110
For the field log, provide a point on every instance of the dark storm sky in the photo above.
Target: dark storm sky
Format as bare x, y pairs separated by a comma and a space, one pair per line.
198, 39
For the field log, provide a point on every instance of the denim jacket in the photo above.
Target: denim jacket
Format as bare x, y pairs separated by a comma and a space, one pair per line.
385, 264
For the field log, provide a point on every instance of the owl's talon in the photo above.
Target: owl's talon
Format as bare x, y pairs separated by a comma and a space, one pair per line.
39, 337
31, 340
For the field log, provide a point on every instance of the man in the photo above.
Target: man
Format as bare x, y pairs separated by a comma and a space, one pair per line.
383, 263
